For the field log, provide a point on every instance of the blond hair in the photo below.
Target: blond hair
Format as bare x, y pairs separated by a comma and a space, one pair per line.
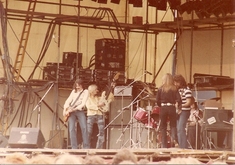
91, 88
168, 83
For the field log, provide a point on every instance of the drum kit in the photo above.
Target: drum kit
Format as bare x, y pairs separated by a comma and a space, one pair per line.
143, 121
147, 124
149, 120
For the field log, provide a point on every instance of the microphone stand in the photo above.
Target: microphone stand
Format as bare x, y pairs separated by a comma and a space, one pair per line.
197, 119
121, 91
39, 107
131, 120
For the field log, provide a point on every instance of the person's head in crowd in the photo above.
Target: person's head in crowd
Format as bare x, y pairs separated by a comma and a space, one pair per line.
41, 159
68, 159
126, 162
220, 162
188, 160
143, 161
94, 159
124, 154
16, 158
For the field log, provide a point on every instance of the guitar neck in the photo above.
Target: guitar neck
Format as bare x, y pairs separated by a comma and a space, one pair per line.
112, 86
107, 95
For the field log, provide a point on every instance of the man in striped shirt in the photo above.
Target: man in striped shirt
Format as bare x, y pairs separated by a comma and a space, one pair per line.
184, 112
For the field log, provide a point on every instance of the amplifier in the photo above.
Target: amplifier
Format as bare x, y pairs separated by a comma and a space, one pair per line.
123, 91
121, 78
65, 73
87, 75
218, 119
72, 59
206, 80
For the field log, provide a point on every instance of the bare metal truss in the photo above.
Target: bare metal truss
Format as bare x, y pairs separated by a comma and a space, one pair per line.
97, 20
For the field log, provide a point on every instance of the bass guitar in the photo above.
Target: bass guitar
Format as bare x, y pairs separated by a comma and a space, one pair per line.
104, 97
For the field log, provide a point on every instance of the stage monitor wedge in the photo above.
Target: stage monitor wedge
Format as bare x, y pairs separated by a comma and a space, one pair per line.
26, 138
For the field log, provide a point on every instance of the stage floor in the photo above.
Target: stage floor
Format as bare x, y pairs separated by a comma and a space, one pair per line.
153, 155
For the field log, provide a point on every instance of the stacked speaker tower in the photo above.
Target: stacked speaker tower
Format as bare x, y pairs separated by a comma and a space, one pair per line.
110, 54
118, 130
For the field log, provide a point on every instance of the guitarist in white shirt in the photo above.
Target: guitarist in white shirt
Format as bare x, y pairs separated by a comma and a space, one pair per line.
74, 110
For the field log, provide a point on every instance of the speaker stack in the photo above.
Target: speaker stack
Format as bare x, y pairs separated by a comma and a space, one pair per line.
119, 117
110, 54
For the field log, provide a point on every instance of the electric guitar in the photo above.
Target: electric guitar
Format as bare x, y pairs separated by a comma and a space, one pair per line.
104, 97
66, 117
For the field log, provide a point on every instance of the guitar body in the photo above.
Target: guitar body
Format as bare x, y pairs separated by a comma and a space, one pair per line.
103, 99
66, 117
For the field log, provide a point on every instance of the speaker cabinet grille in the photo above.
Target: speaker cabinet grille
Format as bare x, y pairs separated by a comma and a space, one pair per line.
118, 137
110, 54
119, 115
26, 138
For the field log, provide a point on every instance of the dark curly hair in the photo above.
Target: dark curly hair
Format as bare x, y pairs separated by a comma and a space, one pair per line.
180, 79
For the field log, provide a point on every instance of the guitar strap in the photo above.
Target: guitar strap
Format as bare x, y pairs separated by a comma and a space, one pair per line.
71, 105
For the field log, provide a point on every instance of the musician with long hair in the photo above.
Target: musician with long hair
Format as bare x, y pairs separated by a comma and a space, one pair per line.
74, 108
184, 112
95, 115
167, 99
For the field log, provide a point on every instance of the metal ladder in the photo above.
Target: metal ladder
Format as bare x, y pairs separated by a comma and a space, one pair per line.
23, 40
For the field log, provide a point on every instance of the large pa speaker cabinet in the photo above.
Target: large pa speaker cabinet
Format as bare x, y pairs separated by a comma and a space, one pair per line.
118, 114
118, 137
110, 54
26, 138
213, 118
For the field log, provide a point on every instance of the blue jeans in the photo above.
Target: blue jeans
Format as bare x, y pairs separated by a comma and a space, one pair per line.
81, 117
99, 119
181, 129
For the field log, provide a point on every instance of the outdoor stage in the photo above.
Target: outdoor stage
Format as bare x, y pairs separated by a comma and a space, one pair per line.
153, 155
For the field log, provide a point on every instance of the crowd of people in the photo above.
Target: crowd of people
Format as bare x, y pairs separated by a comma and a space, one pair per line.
123, 156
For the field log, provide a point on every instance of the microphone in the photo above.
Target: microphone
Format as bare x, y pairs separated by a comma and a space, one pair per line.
148, 72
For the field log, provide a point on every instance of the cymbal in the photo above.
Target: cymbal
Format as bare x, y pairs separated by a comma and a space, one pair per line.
150, 98
147, 88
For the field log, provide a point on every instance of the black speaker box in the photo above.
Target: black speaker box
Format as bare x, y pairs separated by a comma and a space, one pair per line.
118, 137
118, 114
110, 54
26, 138
72, 59
213, 118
